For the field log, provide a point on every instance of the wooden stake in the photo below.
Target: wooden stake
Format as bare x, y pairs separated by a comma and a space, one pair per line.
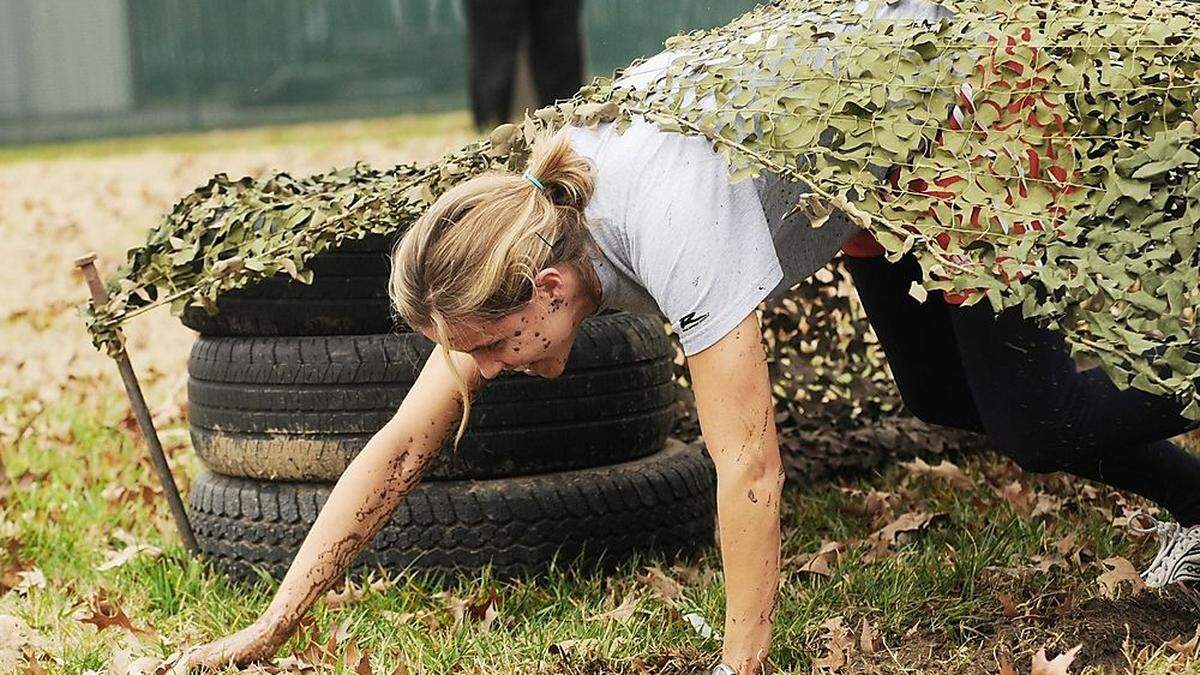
87, 264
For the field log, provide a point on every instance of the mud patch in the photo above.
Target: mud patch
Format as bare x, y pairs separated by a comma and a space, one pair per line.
1104, 627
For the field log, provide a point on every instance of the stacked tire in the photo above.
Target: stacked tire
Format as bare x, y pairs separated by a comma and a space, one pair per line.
288, 382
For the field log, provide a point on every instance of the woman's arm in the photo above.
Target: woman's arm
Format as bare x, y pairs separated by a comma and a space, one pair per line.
733, 398
364, 497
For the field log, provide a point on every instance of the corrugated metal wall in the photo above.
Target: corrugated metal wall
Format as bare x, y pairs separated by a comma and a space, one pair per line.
76, 68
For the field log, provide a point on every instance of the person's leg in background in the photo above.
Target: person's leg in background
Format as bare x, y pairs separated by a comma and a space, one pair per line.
555, 48
1027, 396
1038, 409
494, 31
919, 342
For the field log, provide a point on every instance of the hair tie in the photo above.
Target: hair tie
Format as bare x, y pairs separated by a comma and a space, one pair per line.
530, 177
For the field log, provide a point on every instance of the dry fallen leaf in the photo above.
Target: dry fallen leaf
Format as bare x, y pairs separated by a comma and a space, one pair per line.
490, 614
1005, 666
694, 576
876, 504
17, 638
294, 665
117, 558
1017, 495
667, 588
105, 613
484, 611
621, 613
943, 471
821, 562
316, 654
1120, 570
574, 647
350, 592
1185, 649
12, 565
122, 662
358, 660
33, 578
32, 665
1007, 605
882, 540
1059, 666
118, 495
838, 640
102, 621
1045, 504
867, 638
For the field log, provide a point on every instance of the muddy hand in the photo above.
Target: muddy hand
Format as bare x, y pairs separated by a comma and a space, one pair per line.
246, 646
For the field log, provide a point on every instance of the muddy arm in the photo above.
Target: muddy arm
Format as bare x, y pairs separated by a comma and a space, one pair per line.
372, 486
737, 418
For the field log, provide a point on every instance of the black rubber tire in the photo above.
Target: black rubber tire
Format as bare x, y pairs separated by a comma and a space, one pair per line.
348, 296
594, 518
301, 408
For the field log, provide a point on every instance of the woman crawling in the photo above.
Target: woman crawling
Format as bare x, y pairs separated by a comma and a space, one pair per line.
503, 268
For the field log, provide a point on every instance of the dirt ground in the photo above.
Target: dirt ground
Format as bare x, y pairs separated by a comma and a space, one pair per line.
52, 211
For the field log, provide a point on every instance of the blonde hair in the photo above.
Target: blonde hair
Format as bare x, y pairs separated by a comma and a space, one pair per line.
474, 254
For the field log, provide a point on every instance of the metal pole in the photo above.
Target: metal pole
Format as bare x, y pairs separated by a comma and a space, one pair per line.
87, 264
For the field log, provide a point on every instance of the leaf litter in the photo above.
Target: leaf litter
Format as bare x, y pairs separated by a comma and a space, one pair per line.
56, 367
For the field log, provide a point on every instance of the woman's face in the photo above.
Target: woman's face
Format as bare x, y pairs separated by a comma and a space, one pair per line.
537, 338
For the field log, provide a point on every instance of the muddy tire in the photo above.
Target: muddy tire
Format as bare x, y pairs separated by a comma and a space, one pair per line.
593, 518
301, 408
348, 296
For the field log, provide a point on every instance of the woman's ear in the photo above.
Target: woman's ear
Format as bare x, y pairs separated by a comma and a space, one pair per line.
552, 280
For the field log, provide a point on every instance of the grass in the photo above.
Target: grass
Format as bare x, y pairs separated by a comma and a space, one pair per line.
934, 602
313, 135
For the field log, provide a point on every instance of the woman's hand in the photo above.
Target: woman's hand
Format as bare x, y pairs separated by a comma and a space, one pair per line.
361, 501
255, 642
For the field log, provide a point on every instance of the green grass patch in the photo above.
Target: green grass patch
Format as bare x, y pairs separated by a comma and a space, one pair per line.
937, 592
313, 134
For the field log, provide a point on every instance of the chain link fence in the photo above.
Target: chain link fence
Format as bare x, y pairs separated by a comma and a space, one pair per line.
85, 68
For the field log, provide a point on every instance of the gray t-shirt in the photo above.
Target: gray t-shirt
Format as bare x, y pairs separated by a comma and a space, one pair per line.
676, 238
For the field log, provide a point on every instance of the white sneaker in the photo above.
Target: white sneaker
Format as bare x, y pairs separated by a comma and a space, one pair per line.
1178, 558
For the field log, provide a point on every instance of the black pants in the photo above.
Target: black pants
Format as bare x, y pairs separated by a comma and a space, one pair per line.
495, 28
967, 368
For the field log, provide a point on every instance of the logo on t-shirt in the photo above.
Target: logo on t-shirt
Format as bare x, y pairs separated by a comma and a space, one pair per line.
690, 319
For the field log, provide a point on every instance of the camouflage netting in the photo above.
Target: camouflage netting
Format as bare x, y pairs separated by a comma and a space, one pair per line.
1040, 154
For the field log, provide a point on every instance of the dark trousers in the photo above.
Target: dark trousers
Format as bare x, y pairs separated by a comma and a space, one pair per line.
494, 32
967, 368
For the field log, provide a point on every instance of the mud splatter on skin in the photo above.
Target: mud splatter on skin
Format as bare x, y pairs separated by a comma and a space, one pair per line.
331, 564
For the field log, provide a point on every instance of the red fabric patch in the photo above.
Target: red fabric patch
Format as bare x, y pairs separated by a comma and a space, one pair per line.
863, 245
